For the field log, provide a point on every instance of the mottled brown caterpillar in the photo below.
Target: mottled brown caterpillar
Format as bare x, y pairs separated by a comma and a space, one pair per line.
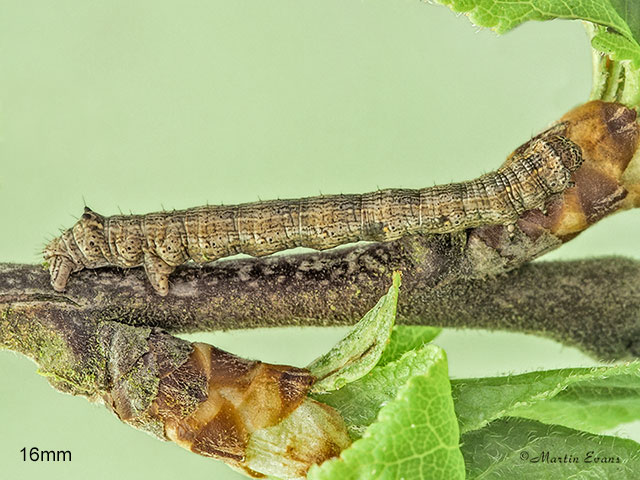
161, 241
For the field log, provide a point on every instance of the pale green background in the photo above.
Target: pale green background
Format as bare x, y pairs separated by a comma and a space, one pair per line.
143, 105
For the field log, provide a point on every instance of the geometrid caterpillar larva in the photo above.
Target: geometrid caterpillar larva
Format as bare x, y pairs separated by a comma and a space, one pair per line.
161, 241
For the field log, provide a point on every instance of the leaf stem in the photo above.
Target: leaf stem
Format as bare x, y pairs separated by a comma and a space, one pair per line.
631, 92
613, 80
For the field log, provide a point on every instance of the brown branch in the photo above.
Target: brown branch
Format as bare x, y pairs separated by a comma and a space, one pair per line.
593, 304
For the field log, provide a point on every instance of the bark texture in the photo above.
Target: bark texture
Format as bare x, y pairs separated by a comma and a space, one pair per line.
592, 304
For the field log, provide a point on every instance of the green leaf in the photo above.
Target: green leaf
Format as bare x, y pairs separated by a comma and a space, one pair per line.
405, 338
415, 436
590, 408
504, 15
356, 354
359, 402
521, 448
630, 13
615, 31
617, 47
613, 80
481, 400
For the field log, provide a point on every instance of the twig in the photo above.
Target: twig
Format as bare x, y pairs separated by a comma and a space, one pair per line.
593, 304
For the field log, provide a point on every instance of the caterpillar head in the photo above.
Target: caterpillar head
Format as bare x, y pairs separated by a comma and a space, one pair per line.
81, 246
554, 139
570, 153
556, 158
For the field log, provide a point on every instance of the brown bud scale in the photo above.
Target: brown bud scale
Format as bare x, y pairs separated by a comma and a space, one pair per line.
214, 401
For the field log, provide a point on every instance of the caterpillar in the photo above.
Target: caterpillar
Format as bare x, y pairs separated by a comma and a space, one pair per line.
161, 241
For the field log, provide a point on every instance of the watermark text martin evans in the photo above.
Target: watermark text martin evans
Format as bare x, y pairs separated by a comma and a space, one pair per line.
590, 456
